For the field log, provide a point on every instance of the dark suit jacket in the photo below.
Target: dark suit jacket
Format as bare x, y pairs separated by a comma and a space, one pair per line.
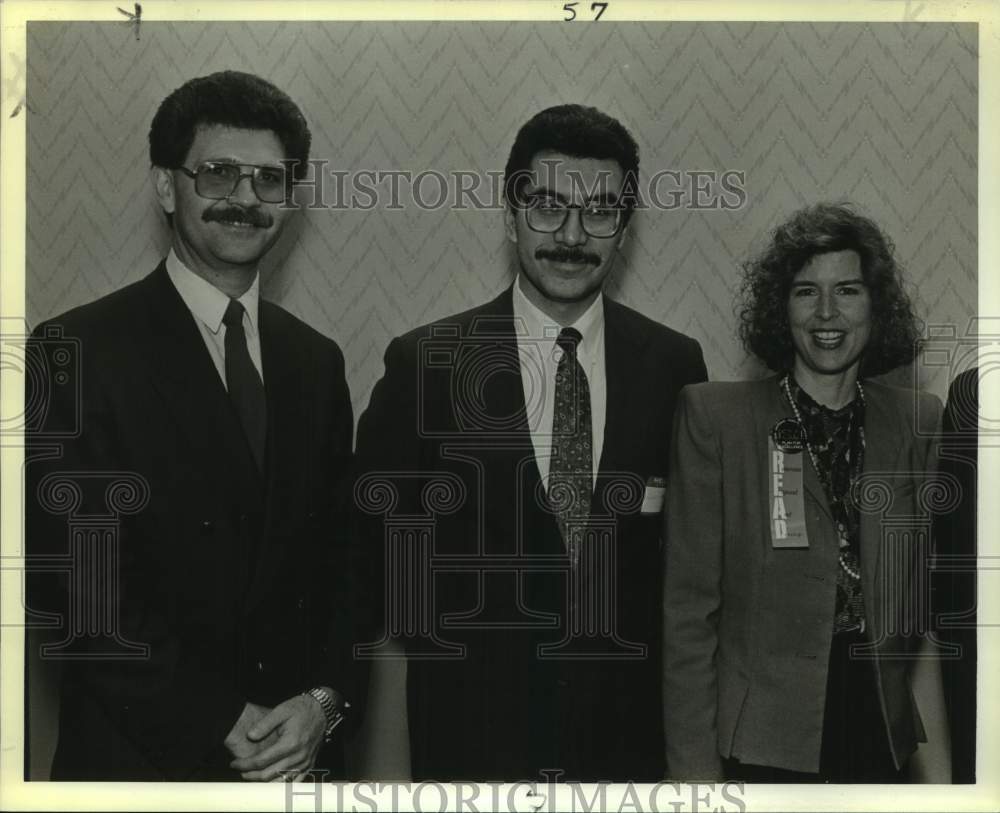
447, 433
955, 586
747, 627
227, 576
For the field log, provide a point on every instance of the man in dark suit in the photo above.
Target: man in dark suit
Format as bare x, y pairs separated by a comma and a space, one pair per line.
204, 631
514, 457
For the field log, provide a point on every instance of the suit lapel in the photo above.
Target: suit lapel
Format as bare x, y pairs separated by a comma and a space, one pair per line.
182, 371
287, 433
503, 405
513, 452
814, 487
882, 445
283, 387
624, 420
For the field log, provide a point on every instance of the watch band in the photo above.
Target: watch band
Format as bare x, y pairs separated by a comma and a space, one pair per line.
334, 714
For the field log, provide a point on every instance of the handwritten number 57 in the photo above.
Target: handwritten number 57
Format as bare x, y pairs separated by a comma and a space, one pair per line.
570, 9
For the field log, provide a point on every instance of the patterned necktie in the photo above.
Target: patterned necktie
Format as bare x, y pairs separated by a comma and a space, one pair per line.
246, 390
572, 461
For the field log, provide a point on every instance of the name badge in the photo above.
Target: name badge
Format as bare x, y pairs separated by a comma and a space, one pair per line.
652, 498
787, 502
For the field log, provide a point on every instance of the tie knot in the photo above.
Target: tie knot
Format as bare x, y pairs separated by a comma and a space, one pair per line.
569, 339
233, 316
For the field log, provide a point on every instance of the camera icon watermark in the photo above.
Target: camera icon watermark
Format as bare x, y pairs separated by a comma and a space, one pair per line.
68, 567
49, 363
475, 367
960, 354
485, 369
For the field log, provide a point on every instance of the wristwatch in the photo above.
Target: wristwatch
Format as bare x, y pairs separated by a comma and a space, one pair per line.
333, 712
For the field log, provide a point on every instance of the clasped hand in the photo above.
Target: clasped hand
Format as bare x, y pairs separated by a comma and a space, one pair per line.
267, 742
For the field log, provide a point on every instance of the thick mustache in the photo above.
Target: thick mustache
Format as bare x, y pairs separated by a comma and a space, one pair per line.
567, 255
237, 215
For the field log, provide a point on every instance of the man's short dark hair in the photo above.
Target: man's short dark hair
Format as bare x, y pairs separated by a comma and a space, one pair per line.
821, 229
228, 99
577, 131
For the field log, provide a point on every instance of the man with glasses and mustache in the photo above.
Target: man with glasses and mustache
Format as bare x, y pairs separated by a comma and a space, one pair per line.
228, 653
528, 438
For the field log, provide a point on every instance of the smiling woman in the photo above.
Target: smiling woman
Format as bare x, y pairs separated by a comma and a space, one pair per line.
830, 316
827, 230
784, 653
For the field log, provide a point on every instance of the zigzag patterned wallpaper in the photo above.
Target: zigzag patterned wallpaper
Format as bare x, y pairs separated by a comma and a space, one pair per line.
881, 114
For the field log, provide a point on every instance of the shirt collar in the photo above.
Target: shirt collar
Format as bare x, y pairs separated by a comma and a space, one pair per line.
537, 324
205, 301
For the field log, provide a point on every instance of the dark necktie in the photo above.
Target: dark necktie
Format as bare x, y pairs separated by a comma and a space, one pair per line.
246, 390
572, 461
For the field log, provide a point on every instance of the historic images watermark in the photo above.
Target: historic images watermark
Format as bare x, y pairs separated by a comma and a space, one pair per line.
325, 186
547, 797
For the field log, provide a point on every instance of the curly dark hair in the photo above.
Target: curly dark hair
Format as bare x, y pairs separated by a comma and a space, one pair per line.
230, 99
820, 229
578, 131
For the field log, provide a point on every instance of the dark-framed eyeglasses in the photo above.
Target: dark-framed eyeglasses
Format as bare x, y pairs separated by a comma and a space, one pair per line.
547, 215
217, 180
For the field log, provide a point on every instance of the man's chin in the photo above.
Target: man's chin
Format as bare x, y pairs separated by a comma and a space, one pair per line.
245, 249
570, 289
239, 260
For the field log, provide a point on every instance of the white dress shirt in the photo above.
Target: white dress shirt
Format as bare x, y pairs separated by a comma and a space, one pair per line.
208, 305
539, 357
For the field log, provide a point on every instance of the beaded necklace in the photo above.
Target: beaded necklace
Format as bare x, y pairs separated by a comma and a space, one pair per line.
855, 472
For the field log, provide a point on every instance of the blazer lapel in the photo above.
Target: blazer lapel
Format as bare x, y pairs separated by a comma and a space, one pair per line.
504, 407
286, 413
813, 485
882, 446
182, 371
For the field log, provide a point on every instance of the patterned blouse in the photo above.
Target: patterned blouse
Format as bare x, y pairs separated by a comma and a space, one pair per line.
837, 441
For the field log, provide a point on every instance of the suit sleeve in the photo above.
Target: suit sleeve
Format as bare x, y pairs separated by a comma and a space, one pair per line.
932, 762
387, 431
698, 370
692, 593
388, 444
929, 431
954, 593
345, 617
